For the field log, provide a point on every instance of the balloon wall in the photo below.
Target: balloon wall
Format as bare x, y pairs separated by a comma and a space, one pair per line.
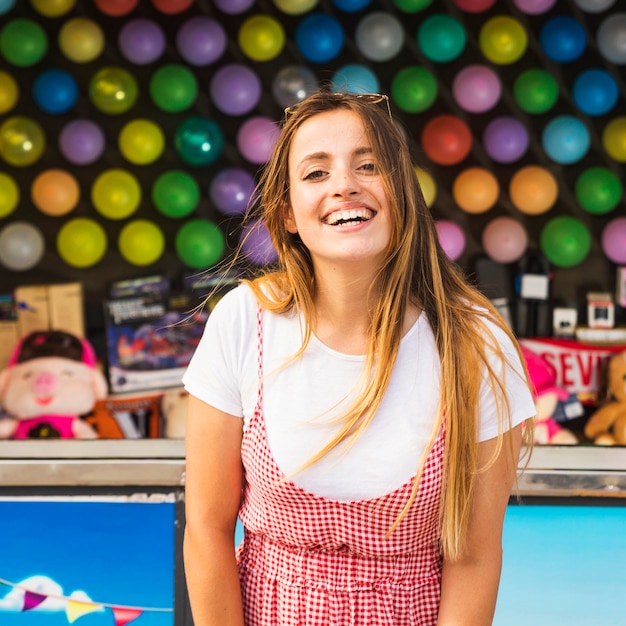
132, 131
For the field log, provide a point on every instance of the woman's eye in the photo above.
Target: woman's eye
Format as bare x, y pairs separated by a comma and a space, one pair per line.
369, 168
314, 174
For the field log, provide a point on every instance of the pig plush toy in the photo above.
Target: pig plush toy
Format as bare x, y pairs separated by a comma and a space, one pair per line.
50, 382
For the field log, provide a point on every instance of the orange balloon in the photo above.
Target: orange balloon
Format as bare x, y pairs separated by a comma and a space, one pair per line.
475, 190
533, 190
55, 192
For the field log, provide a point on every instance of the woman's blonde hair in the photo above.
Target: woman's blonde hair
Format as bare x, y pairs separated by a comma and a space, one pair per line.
416, 272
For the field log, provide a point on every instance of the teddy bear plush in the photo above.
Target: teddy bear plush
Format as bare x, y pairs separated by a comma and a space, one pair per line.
607, 425
50, 382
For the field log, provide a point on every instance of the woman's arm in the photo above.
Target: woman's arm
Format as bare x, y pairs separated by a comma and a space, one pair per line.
469, 584
212, 496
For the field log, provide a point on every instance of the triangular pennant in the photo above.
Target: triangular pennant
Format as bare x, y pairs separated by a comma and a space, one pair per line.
125, 616
32, 599
74, 610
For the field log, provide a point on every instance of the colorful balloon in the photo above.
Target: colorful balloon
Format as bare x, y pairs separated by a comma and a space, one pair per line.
141, 41
201, 40
141, 141
6, 6
446, 139
23, 42
614, 240
614, 139
141, 242
52, 8
231, 190
9, 92
176, 194
506, 139
81, 242
261, 37
22, 141
113, 90
594, 6
199, 244
171, 7
427, 184
533, 190
81, 40
9, 195
475, 190
441, 38
349, 6
319, 37
476, 88
355, 78
55, 91
503, 39
21, 246
81, 142
565, 241
534, 7
116, 8
233, 7
535, 91
199, 141
173, 88
55, 192
565, 139
504, 240
414, 89
563, 38
293, 83
474, 6
451, 237
595, 92
235, 89
295, 7
256, 244
598, 190
611, 38
256, 138
116, 194
379, 36
412, 6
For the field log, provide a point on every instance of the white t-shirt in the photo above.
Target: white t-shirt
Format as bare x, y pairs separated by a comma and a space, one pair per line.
300, 399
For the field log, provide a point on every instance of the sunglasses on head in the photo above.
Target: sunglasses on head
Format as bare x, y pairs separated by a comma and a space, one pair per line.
371, 98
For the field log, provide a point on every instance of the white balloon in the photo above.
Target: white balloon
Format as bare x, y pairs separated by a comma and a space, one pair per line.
611, 38
379, 36
594, 6
21, 246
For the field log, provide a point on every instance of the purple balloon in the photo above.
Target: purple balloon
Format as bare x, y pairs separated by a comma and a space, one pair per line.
233, 7
476, 88
451, 238
235, 89
201, 40
534, 7
82, 142
256, 138
141, 41
231, 190
614, 240
256, 243
505, 139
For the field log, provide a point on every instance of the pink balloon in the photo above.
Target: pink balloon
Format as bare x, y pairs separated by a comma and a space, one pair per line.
614, 240
256, 138
504, 240
476, 88
534, 7
451, 238
474, 6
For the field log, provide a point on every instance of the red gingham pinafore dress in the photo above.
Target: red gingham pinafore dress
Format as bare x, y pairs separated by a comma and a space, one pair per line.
307, 560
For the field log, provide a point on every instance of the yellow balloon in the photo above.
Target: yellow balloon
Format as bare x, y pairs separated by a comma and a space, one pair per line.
614, 139
533, 190
116, 194
81, 242
9, 195
81, 40
295, 7
141, 242
22, 141
503, 39
113, 90
52, 8
55, 192
141, 141
261, 37
475, 190
9, 92
428, 185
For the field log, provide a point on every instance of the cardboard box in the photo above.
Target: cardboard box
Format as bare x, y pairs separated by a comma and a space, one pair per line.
32, 309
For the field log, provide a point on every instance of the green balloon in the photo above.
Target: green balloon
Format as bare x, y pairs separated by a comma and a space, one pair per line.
199, 141
173, 88
565, 241
199, 244
113, 90
598, 190
414, 89
535, 91
23, 42
412, 6
441, 38
175, 194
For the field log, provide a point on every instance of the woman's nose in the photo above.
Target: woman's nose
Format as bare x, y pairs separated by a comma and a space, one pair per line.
347, 184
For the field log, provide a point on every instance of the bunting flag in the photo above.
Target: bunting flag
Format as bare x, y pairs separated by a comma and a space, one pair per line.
32, 599
124, 616
75, 609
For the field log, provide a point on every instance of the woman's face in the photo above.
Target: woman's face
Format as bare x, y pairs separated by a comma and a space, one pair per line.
337, 203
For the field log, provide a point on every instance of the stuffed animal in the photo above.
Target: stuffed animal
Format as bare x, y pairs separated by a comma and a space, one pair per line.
607, 425
174, 411
52, 379
548, 395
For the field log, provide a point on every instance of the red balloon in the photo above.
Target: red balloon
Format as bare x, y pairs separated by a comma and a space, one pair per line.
171, 7
116, 8
474, 6
446, 139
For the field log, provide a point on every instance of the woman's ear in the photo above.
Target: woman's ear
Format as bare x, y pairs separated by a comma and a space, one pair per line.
290, 222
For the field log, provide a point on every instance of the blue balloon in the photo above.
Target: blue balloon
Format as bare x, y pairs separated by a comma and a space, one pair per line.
565, 139
6, 6
355, 78
351, 6
595, 92
563, 39
55, 91
319, 37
